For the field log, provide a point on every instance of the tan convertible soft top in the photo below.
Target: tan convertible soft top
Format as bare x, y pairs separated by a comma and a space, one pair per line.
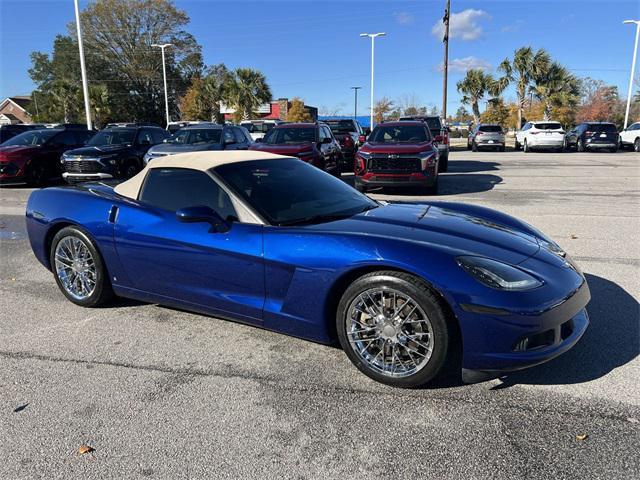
193, 160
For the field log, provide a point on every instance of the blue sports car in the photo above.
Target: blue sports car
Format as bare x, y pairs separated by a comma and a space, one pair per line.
274, 242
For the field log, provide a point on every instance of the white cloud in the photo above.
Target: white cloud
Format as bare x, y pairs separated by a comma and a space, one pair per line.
464, 25
467, 63
403, 18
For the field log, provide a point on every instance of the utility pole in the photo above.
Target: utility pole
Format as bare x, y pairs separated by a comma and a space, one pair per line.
164, 76
445, 19
355, 103
372, 36
633, 69
83, 70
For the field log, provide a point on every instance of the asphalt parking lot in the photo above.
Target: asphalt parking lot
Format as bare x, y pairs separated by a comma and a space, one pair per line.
161, 393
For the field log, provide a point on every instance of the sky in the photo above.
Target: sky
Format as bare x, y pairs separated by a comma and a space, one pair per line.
312, 49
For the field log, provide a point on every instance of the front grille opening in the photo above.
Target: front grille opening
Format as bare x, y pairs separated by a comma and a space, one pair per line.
566, 329
82, 166
395, 165
533, 342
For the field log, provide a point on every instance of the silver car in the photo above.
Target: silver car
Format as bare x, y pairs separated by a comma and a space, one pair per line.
486, 135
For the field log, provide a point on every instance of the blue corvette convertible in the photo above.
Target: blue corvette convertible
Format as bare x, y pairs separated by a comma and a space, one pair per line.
274, 242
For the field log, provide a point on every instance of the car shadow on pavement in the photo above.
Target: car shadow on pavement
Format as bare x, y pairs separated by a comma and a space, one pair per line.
469, 166
612, 340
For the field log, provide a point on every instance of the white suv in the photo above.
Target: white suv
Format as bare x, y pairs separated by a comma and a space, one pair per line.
258, 128
630, 137
539, 135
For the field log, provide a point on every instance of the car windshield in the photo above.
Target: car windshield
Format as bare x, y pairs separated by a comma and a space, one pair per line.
280, 136
490, 128
399, 134
120, 136
292, 192
32, 138
433, 123
342, 126
204, 135
548, 126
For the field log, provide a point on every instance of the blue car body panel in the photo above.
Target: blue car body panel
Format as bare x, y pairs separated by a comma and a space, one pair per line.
289, 279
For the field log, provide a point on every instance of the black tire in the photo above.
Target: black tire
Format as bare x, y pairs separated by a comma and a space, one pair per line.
130, 169
474, 146
614, 150
517, 146
102, 291
525, 147
468, 145
361, 188
636, 145
501, 149
580, 145
428, 301
36, 175
432, 190
444, 163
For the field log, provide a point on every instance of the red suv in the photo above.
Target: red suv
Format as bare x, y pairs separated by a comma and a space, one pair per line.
398, 154
311, 142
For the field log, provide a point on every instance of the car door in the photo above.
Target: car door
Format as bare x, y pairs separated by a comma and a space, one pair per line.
190, 263
242, 143
229, 140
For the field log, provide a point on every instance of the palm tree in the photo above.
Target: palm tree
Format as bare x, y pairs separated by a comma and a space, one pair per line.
554, 86
525, 65
475, 86
247, 91
214, 89
100, 104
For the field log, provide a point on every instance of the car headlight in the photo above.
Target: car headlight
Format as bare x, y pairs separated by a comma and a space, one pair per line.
497, 275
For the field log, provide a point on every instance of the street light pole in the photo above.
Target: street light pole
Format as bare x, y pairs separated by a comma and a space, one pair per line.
83, 70
372, 36
355, 103
164, 76
445, 19
633, 69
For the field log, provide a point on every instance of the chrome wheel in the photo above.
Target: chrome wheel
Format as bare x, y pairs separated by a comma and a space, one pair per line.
390, 332
75, 267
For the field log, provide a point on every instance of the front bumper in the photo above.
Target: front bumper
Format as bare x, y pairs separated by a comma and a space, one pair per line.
400, 180
84, 177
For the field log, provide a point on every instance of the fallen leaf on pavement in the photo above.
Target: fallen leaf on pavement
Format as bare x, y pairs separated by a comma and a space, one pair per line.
574, 236
85, 449
582, 436
20, 408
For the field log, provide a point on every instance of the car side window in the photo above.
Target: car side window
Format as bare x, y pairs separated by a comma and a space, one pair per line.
239, 136
82, 136
158, 136
327, 132
174, 188
321, 134
228, 136
145, 137
66, 138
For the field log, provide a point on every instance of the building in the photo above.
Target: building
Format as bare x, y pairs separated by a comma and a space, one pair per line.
14, 110
274, 110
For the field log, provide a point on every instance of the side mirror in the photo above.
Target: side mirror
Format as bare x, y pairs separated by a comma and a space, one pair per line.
229, 141
202, 213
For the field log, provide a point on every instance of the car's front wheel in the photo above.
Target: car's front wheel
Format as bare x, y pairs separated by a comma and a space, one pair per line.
79, 269
393, 328
636, 145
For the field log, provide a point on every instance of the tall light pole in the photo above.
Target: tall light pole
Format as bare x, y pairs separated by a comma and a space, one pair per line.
164, 76
633, 69
83, 70
445, 19
355, 103
372, 36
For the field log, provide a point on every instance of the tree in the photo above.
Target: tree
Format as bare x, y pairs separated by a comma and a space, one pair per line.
247, 91
462, 115
555, 87
297, 112
496, 112
474, 87
600, 102
525, 65
215, 90
100, 104
189, 104
381, 109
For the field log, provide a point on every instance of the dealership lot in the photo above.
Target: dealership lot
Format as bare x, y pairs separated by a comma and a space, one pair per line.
164, 393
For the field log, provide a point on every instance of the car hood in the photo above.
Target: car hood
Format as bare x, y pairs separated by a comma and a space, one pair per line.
397, 148
97, 150
288, 149
168, 148
443, 228
17, 149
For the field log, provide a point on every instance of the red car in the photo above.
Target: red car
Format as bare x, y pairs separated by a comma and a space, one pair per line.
33, 157
398, 154
311, 142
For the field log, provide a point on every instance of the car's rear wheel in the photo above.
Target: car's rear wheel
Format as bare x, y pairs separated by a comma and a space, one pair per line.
130, 169
525, 146
636, 145
474, 146
393, 328
79, 269
580, 145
